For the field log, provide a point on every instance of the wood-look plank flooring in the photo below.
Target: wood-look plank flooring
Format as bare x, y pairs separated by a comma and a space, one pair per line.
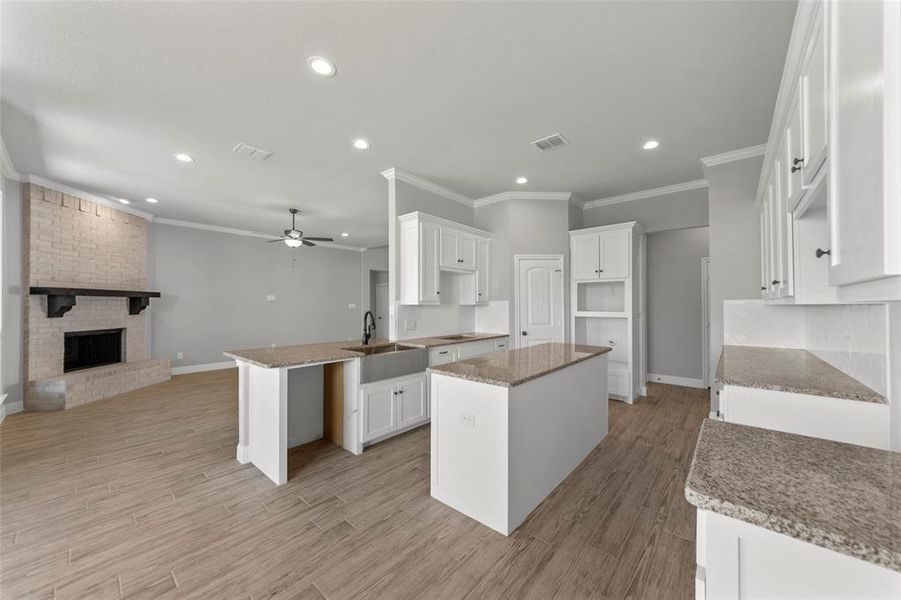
140, 496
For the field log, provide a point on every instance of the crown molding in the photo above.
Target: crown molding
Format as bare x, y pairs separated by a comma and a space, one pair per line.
425, 184
66, 189
246, 232
651, 193
6, 163
515, 195
733, 155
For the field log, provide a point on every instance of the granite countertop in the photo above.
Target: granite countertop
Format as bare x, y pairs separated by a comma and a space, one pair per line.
431, 342
514, 367
789, 370
835, 495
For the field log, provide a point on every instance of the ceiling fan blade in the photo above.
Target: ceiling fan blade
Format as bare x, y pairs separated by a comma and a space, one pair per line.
306, 243
319, 239
278, 240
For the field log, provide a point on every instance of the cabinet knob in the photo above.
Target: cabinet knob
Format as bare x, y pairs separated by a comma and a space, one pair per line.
437, 292
525, 333
797, 164
821, 252
763, 288
480, 293
601, 271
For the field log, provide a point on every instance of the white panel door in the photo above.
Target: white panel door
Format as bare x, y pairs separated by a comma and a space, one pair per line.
449, 240
430, 277
378, 411
411, 400
540, 301
466, 251
614, 261
585, 257
482, 260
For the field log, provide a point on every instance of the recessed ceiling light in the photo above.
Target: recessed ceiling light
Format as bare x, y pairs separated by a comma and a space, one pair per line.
345, 234
124, 201
651, 144
152, 200
522, 180
321, 66
185, 158
361, 144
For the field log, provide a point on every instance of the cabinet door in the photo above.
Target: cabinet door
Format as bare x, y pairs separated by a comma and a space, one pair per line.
614, 260
766, 241
763, 251
466, 251
483, 269
430, 276
411, 400
793, 156
585, 257
813, 105
378, 411
780, 235
864, 140
449, 240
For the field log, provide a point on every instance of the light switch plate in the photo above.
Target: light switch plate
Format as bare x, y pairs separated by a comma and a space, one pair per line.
467, 419
270, 297
179, 355
351, 305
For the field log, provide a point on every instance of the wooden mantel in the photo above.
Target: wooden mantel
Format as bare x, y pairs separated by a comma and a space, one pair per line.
61, 300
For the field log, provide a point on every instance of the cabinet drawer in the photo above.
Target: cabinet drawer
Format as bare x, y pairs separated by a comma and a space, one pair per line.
442, 355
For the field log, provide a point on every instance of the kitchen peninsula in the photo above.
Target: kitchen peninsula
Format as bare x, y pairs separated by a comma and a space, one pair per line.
291, 395
509, 426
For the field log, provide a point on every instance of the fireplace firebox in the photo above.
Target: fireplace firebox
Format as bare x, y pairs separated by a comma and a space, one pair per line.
86, 349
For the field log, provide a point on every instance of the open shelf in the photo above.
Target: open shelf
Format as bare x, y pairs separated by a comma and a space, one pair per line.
601, 296
598, 314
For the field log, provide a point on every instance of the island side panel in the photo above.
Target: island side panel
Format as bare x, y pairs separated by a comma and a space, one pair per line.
555, 422
469, 448
268, 431
243, 451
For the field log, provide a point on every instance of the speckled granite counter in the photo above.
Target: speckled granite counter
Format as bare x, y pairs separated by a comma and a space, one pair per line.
299, 354
838, 496
431, 342
789, 370
515, 367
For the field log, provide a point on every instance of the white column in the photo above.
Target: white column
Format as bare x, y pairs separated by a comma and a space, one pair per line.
243, 454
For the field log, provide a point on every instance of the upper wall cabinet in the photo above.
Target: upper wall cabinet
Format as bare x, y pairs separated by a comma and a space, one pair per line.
830, 189
430, 245
600, 255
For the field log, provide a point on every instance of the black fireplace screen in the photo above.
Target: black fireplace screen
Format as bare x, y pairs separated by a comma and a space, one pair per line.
85, 349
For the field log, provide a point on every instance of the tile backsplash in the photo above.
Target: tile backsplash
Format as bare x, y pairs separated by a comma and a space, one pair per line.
850, 337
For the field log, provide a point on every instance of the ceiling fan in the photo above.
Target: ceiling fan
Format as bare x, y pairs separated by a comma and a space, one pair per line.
294, 237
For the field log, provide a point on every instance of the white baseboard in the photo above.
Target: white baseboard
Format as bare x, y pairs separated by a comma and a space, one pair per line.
9, 408
673, 380
243, 454
205, 367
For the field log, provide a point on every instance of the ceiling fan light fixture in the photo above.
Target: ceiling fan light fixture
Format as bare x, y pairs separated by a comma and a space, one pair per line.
293, 243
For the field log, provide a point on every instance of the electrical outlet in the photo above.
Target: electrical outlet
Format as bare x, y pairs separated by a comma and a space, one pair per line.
351, 305
270, 298
467, 419
410, 325
179, 355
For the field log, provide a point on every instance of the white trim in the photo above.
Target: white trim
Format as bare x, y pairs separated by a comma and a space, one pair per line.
9, 408
417, 215
673, 380
110, 202
425, 184
651, 193
629, 225
515, 336
6, 163
705, 321
733, 155
514, 195
246, 232
228, 364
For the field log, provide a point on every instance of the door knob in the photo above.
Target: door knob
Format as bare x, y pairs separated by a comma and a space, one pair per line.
821, 252
525, 333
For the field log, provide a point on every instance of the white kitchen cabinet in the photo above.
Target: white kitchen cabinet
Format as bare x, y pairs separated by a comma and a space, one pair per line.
430, 245
472, 349
740, 560
813, 105
412, 401
442, 355
600, 255
791, 162
392, 406
839, 419
378, 416
501, 344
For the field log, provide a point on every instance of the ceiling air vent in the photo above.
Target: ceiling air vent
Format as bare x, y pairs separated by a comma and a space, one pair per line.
550, 142
251, 152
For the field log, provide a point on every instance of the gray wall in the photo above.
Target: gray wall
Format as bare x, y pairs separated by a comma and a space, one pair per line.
12, 283
734, 241
214, 288
671, 211
674, 301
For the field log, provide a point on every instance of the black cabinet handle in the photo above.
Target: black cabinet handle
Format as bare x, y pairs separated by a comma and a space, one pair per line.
797, 164
775, 282
821, 252
437, 292
525, 333
763, 288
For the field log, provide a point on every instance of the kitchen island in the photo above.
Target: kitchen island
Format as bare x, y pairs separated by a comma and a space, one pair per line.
509, 426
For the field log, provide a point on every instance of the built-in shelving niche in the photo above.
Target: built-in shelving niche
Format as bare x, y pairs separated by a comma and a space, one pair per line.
604, 331
601, 296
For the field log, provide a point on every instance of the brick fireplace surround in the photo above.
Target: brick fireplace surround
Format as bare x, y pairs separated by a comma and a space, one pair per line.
73, 242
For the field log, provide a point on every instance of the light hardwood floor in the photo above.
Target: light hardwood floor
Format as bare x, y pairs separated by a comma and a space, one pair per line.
140, 496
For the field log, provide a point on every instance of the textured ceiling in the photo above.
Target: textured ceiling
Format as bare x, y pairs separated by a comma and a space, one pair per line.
99, 95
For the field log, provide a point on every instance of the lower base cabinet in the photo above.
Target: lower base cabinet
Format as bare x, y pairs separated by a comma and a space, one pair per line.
738, 560
391, 406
